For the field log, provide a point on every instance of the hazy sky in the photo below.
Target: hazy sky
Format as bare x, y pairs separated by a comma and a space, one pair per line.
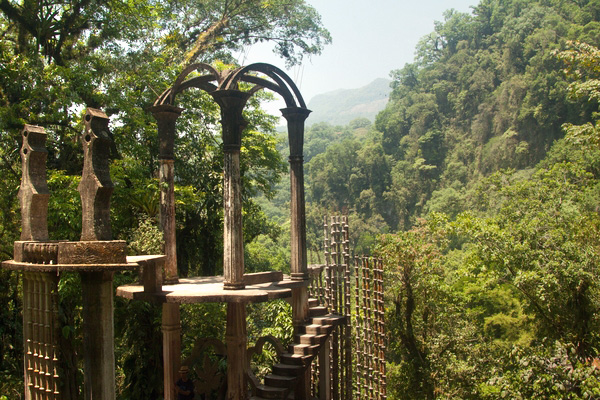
370, 39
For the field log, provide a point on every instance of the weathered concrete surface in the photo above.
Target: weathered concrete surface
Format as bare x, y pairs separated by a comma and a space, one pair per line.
33, 193
93, 252
98, 338
96, 186
236, 339
166, 118
232, 104
171, 330
211, 290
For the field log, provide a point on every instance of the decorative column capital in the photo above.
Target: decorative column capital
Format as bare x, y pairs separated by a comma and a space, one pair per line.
295, 117
166, 116
232, 103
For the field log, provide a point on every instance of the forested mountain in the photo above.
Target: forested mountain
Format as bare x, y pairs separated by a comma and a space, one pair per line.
486, 91
486, 163
342, 106
478, 184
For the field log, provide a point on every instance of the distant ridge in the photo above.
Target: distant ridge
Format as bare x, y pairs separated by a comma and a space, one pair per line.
343, 105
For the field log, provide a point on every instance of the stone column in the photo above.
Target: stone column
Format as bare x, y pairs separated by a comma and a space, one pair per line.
98, 339
95, 248
325, 371
295, 118
299, 269
37, 286
237, 344
171, 330
232, 103
166, 117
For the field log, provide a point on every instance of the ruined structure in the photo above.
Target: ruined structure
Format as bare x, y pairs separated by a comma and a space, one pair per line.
319, 364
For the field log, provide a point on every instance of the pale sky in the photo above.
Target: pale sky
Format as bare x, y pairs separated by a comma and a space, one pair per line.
370, 39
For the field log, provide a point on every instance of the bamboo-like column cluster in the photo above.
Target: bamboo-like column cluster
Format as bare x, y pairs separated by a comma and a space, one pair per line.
316, 288
40, 335
335, 293
370, 329
356, 291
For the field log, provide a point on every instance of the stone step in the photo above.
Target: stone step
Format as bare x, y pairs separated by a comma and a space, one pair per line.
281, 381
314, 329
304, 349
269, 392
310, 339
328, 319
293, 359
317, 311
288, 369
312, 302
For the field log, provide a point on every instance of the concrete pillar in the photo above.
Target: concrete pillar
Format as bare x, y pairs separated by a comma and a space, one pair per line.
98, 335
324, 371
299, 267
237, 344
171, 330
295, 118
166, 117
96, 248
232, 103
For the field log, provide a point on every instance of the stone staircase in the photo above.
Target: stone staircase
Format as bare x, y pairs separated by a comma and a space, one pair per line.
281, 382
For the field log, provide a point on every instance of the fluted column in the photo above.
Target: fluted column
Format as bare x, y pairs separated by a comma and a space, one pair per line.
295, 117
232, 103
237, 343
166, 118
171, 330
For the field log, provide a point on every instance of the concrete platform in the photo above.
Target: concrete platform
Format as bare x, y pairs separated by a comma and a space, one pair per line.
210, 290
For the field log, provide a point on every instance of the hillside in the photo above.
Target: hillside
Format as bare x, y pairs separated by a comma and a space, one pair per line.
485, 162
342, 106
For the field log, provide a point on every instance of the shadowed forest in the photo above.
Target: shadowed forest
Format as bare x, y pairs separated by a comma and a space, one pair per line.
478, 184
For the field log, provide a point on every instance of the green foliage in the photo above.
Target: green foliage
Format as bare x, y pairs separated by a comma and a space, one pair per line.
485, 92
139, 349
146, 239
549, 372
11, 342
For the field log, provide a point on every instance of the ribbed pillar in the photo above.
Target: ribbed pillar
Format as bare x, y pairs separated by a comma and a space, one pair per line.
27, 332
295, 118
325, 371
237, 343
98, 335
232, 103
166, 117
299, 269
95, 189
171, 330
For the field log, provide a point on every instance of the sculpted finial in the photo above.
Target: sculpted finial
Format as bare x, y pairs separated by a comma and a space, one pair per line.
33, 193
96, 187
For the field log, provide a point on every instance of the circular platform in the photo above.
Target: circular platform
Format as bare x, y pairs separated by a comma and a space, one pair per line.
210, 290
